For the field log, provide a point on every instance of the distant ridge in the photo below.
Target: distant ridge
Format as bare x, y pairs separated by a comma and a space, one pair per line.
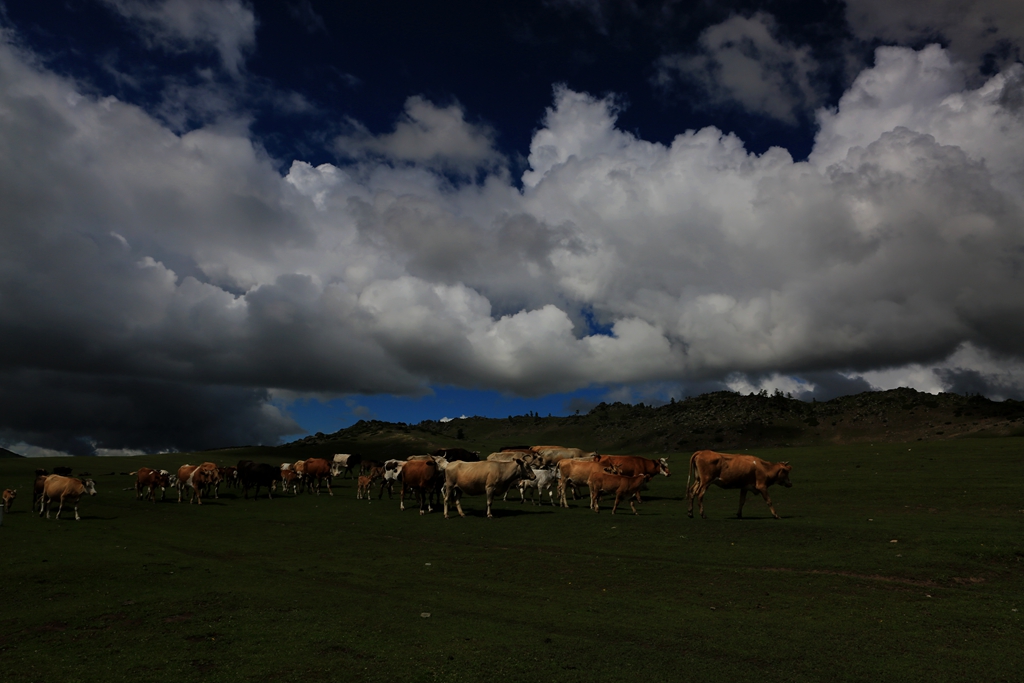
719, 420
4, 453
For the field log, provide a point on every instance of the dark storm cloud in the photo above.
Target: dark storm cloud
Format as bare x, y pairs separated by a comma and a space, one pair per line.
79, 414
969, 382
830, 385
984, 33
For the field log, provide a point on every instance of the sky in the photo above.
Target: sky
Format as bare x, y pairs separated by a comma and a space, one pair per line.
228, 222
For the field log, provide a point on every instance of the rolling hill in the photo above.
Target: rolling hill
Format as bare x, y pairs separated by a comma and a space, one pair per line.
720, 421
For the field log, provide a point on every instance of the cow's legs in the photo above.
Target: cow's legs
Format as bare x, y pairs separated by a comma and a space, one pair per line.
332, 492
743, 499
490, 499
764, 494
401, 498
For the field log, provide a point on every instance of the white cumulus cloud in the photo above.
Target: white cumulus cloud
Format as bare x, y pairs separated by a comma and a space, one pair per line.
138, 262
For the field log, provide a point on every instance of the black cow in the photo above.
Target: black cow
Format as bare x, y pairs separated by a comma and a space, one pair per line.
62, 471
453, 454
258, 474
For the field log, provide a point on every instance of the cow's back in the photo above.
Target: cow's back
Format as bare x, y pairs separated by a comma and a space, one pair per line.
473, 478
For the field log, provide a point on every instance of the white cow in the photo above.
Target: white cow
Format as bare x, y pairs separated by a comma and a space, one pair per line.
344, 463
546, 480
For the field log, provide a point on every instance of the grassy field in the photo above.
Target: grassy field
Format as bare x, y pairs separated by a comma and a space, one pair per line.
891, 563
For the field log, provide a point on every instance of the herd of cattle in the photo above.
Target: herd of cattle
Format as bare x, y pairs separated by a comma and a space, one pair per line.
441, 478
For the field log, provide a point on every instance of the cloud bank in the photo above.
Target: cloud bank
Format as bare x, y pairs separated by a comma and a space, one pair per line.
172, 281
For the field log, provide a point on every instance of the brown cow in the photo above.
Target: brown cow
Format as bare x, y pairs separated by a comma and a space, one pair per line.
424, 478
317, 469
488, 477
198, 477
69, 489
577, 473
729, 471
150, 478
9, 495
632, 465
621, 485
229, 475
289, 479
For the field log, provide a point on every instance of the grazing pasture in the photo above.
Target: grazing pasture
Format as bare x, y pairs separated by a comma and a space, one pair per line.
891, 562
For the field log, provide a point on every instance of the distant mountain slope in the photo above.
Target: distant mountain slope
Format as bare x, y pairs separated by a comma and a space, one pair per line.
720, 420
4, 453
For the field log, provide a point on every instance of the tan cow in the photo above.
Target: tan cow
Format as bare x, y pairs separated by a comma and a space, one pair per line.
622, 486
530, 458
475, 478
64, 489
729, 471
8, 497
37, 487
552, 455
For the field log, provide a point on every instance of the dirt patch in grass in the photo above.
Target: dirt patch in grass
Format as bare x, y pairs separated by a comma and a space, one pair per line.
854, 575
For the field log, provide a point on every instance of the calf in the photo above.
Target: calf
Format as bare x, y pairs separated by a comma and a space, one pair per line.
64, 489
365, 483
9, 495
621, 485
728, 471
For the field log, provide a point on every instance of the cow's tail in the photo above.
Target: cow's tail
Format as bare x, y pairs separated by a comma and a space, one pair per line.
132, 474
692, 474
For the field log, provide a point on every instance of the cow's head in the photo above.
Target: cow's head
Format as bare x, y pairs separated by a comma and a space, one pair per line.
90, 487
525, 471
782, 476
663, 466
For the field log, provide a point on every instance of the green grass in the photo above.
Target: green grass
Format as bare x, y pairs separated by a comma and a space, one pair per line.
332, 589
